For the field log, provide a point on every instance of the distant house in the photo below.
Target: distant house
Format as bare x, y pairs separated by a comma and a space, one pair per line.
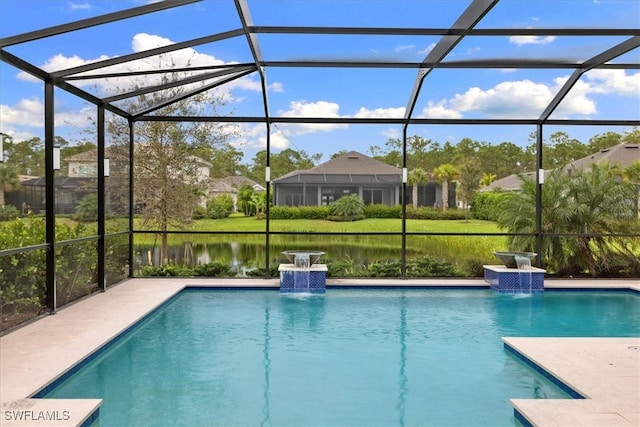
231, 185
511, 182
351, 173
622, 155
69, 192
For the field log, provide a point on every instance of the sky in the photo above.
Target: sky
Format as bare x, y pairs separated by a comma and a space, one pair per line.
331, 92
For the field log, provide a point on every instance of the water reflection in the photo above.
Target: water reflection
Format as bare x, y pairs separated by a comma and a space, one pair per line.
245, 257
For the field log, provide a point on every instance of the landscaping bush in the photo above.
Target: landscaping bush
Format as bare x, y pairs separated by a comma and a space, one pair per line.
425, 212
474, 267
299, 212
423, 267
485, 205
220, 206
262, 272
8, 212
23, 275
87, 210
167, 270
383, 211
199, 213
213, 269
347, 208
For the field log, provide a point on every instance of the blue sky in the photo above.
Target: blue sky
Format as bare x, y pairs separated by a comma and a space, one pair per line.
325, 92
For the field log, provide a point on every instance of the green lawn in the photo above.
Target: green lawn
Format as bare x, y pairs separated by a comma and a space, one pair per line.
373, 225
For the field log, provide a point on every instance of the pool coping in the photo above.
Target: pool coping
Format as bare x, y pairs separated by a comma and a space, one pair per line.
39, 353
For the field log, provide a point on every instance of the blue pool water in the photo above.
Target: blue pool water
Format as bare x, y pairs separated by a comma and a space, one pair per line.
347, 358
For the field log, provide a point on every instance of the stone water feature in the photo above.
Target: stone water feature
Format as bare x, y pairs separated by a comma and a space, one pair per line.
516, 274
303, 273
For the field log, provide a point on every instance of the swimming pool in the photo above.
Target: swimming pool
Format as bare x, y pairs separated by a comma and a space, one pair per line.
350, 357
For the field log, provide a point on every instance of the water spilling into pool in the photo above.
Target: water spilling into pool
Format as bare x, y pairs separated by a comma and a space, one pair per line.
347, 357
524, 265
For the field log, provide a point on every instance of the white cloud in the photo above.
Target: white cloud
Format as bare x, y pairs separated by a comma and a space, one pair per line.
614, 82
439, 110
79, 6
28, 112
57, 63
311, 109
364, 113
276, 87
402, 47
428, 49
522, 40
142, 42
392, 133
528, 99
26, 118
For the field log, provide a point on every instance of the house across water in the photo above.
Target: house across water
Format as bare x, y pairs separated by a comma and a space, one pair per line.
352, 173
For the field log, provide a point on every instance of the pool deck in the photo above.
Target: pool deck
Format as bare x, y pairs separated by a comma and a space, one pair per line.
604, 370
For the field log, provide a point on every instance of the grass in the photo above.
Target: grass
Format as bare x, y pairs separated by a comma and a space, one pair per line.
372, 225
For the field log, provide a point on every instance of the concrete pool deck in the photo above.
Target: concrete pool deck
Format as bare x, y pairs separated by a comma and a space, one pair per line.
604, 370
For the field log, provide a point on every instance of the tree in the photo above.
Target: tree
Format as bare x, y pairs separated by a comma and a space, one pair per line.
631, 175
8, 180
488, 178
8, 170
469, 177
245, 195
445, 173
416, 177
281, 163
601, 142
169, 182
590, 205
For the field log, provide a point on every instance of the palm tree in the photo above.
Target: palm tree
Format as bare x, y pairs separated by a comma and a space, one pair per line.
488, 178
589, 203
602, 205
445, 173
416, 177
632, 175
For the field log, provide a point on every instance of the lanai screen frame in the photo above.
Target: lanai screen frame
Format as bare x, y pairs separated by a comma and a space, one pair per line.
464, 26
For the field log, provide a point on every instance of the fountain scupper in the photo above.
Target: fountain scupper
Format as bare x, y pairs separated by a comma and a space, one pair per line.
303, 274
516, 274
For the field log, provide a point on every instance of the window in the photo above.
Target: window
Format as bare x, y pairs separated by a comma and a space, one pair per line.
372, 196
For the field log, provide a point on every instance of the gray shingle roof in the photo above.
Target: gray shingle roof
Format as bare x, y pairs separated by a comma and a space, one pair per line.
349, 167
621, 154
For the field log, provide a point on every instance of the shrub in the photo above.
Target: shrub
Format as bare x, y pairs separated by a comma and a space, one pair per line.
385, 269
8, 212
199, 212
347, 208
262, 272
87, 209
425, 267
425, 212
220, 206
474, 267
383, 211
213, 269
486, 205
299, 212
166, 270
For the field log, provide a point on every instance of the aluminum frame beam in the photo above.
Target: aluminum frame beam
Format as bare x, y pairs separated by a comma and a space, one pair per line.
92, 22
469, 18
620, 49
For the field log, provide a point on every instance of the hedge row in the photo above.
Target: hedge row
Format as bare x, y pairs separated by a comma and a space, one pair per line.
422, 267
370, 211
